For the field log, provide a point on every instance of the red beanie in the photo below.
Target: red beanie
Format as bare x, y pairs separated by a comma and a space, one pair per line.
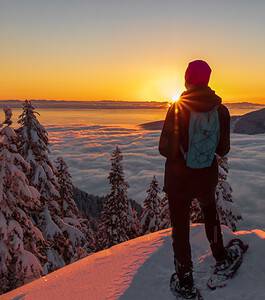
198, 73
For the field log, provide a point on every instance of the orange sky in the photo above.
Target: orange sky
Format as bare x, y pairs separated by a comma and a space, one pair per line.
89, 51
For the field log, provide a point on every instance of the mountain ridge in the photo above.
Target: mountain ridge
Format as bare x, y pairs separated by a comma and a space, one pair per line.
111, 104
249, 123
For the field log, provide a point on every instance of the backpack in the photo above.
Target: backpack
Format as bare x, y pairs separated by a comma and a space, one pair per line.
204, 135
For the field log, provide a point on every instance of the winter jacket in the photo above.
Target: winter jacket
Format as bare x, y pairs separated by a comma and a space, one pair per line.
175, 135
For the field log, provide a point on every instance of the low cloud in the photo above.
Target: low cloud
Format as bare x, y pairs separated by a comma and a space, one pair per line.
87, 150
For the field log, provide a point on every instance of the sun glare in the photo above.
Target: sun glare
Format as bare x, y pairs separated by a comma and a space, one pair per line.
176, 96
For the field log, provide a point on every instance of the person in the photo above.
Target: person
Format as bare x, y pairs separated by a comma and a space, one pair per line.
191, 168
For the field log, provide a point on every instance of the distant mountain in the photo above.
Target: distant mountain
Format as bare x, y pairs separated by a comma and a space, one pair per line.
91, 205
233, 121
244, 105
156, 125
104, 104
250, 123
110, 104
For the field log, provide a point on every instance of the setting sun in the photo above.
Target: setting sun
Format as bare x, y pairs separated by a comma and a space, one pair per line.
176, 96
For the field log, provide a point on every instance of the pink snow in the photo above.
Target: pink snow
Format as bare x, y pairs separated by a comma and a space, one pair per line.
141, 268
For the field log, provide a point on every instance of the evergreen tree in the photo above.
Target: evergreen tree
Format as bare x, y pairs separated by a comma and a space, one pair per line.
164, 211
114, 226
76, 228
134, 223
151, 215
68, 206
196, 215
227, 212
34, 147
22, 246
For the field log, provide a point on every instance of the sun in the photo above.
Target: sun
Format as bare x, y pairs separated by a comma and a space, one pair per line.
176, 96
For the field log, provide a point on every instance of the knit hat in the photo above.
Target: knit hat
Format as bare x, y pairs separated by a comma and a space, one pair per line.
198, 73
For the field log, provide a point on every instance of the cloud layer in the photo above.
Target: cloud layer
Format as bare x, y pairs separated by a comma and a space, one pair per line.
87, 150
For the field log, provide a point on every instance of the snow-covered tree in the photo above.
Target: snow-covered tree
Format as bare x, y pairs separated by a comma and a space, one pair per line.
34, 147
151, 215
227, 212
196, 215
134, 223
114, 226
76, 228
22, 245
164, 213
68, 206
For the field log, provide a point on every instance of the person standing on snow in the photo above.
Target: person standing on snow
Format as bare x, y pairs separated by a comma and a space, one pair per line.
196, 128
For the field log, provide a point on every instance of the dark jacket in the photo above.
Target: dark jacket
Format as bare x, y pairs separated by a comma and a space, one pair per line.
175, 134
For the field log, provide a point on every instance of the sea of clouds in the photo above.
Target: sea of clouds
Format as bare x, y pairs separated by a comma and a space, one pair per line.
87, 150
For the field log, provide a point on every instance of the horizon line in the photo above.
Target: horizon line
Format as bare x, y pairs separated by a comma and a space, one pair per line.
260, 102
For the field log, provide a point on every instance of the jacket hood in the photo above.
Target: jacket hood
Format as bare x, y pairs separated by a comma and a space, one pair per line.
200, 99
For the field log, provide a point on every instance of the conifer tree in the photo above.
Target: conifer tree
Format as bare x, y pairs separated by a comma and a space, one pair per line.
114, 225
227, 212
164, 211
151, 215
22, 246
77, 229
196, 215
134, 223
68, 206
34, 147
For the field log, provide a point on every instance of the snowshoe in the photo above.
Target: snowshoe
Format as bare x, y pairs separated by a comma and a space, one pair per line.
226, 269
185, 291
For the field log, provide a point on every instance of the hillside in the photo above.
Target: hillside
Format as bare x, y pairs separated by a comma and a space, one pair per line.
91, 205
140, 269
251, 123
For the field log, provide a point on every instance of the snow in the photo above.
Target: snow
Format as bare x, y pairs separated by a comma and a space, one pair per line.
141, 268
75, 235
51, 229
37, 233
3, 225
28, 259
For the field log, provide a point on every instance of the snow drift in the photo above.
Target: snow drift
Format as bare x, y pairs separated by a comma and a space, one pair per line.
141, 268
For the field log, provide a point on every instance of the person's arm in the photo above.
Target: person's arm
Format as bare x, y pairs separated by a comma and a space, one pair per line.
224, 143
167, 130
169, 139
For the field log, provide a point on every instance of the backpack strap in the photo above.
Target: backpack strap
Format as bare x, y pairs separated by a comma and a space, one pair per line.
182, 151
177, 119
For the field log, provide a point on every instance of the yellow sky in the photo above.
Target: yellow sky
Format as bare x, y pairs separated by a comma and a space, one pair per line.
128, 52
140, 81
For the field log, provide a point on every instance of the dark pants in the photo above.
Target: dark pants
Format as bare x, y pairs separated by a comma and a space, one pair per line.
179, 206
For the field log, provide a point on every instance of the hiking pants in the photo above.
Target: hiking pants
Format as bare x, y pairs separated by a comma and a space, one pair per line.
179, 206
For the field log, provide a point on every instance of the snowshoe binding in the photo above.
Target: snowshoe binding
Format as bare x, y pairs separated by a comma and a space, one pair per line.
184, 289
226, 269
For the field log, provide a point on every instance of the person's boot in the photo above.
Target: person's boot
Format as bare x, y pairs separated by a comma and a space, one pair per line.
182, 283
231, 256
228, 266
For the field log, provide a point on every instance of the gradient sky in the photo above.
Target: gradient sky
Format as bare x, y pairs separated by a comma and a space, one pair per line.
129, 50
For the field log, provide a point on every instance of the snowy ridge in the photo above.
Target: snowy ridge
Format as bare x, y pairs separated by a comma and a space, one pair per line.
140, 269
